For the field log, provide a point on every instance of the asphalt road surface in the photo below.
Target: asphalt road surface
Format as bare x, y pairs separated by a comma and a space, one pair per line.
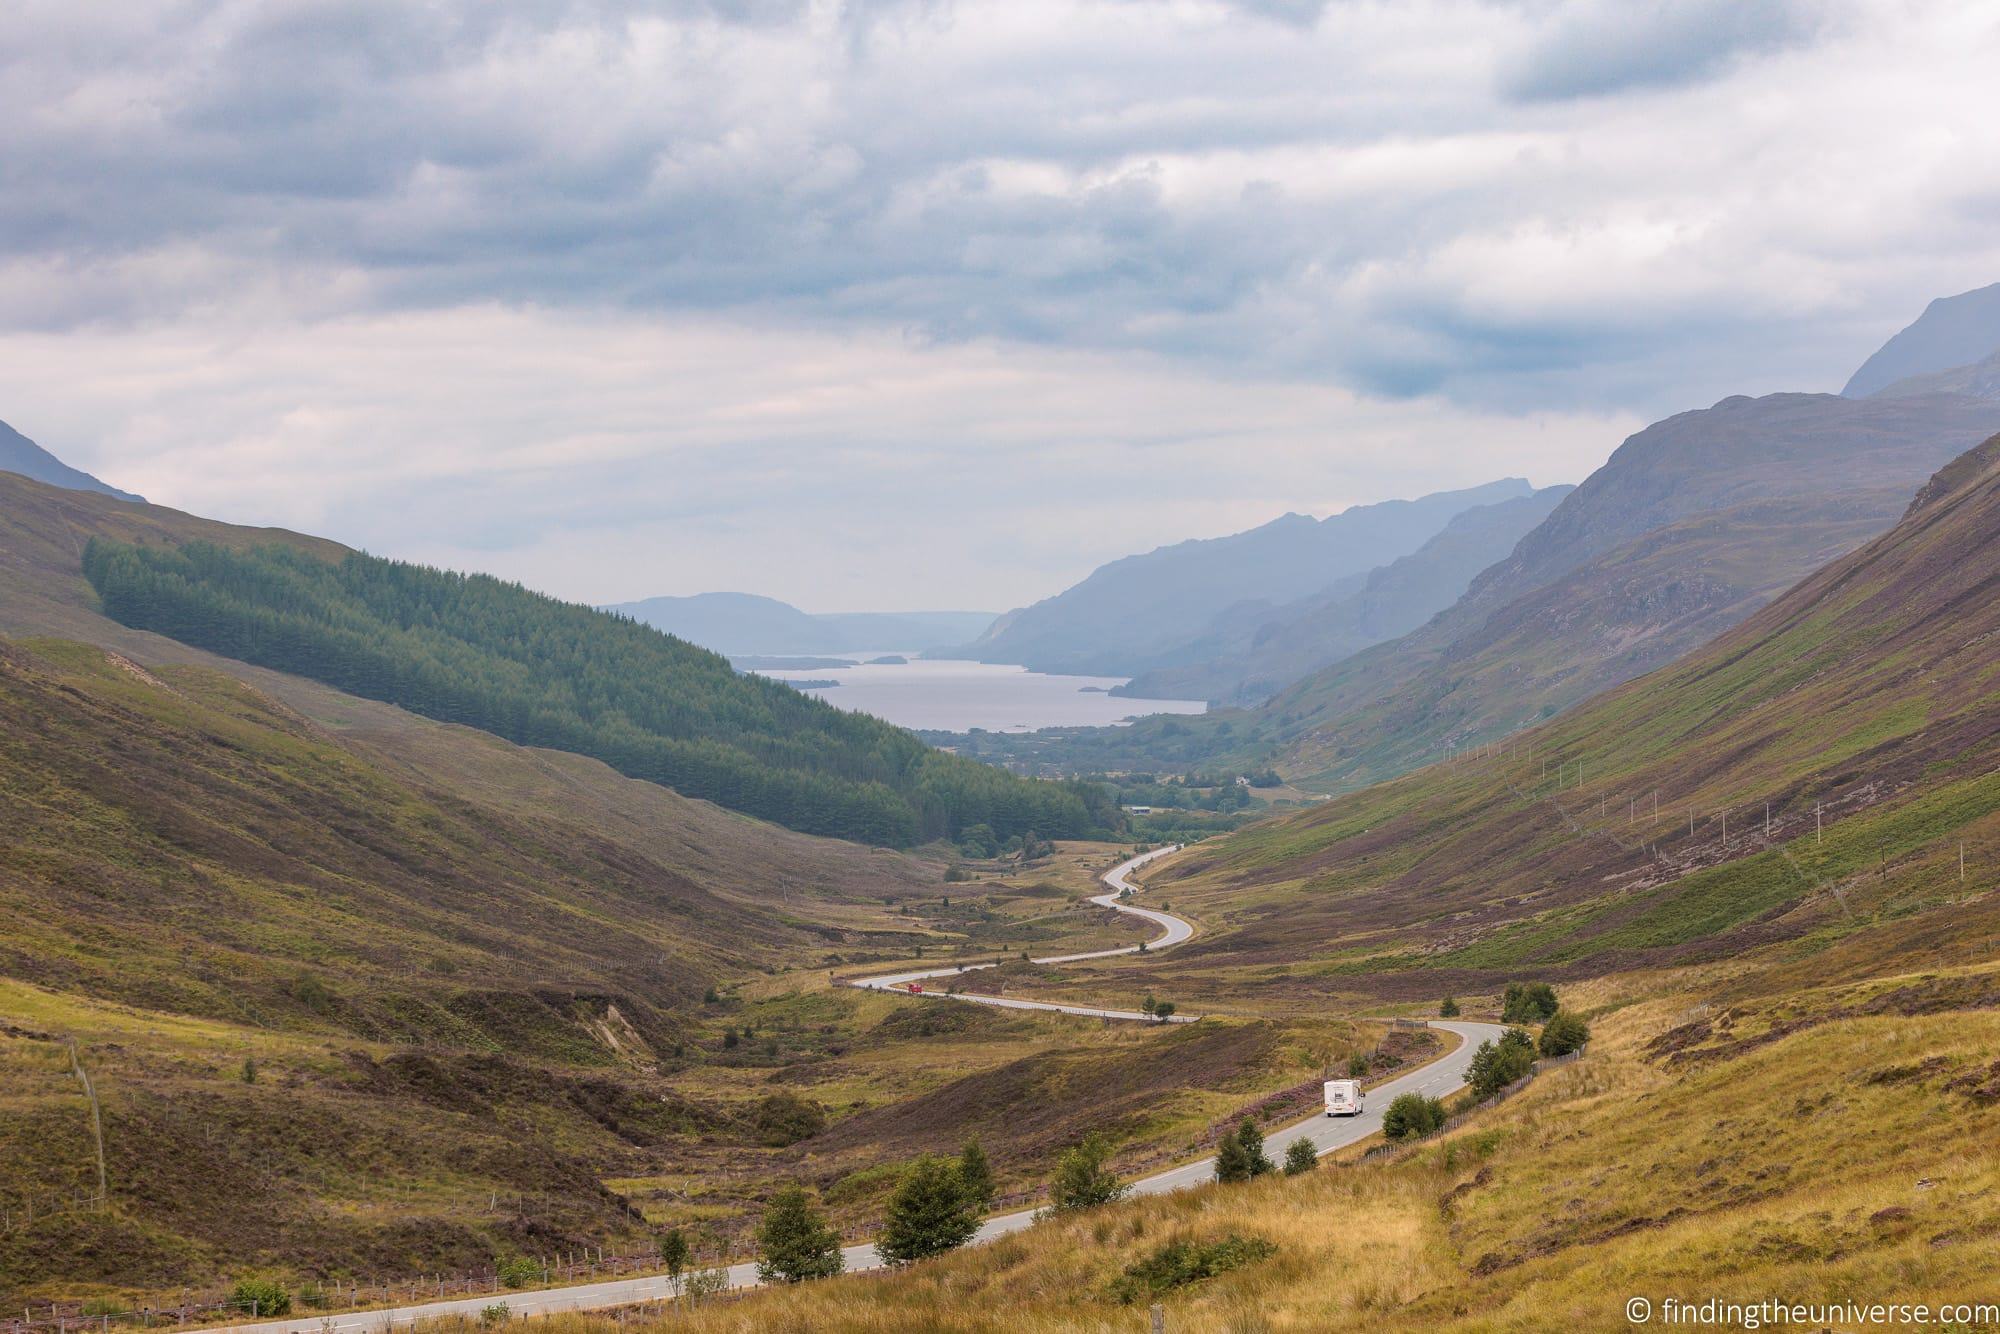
1173, 930
1440, 1077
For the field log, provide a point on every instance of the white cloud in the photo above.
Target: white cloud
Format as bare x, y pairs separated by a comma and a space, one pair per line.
612, 458
961, 270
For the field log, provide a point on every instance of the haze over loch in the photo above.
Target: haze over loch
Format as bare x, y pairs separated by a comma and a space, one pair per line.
958, 695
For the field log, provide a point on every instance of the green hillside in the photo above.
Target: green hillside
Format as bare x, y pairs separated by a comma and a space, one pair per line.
1812, 771
475, 650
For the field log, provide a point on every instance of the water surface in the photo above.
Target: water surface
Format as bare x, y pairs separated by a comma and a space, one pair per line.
947, 695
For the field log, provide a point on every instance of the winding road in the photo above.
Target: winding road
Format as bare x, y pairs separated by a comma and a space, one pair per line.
1118, 880
1442, 1076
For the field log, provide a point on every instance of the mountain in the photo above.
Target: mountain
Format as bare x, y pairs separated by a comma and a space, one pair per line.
1139, 611
746, 625
1692, 524
471, 649
21, 455
1258, 660
1953, 331
1672, 818
1979, 380
302, 940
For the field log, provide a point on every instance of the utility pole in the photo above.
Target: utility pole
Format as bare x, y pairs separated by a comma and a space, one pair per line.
1767, 822
1961, 861
1818, 807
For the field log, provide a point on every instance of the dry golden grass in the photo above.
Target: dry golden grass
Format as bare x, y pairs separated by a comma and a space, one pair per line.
1849, 1158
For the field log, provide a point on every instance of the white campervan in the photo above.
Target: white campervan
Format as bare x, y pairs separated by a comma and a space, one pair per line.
1344, 1097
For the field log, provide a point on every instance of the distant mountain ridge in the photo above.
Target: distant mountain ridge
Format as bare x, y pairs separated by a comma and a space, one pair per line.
1979, 380
1689, 528
1147, 610
1694, 523
1953, 331
1299, 638
748, 625
22, 455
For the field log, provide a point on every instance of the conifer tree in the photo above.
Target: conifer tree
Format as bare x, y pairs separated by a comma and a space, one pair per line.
929, 1214
795, 1242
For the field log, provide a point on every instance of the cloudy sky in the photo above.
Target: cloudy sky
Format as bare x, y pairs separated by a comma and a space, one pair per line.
912, 303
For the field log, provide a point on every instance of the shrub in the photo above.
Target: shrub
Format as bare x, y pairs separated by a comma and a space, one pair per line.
1082, 1181
261, 1297
1528, 1003
785, 1118
1448, 1010
314, 1295
1301, 1157
1180, 1262
517, 1271
928, 1215
1357, 1066
1564, 1034
495, 1313
795, 1242
1412, 1116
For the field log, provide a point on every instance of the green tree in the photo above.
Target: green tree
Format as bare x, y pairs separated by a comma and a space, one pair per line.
1164, 1010
1528, 1003
1494, 1067
1252, 1140
674, 1255
1563, 1034
1448, 1010
975, 1176
1412, 1116
1300, 1157
795, 1242
1082, 1180
1231, 1162
489, 654
929, 1214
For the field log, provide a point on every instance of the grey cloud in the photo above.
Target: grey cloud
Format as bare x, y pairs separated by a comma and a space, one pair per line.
1597, 47
1208, 194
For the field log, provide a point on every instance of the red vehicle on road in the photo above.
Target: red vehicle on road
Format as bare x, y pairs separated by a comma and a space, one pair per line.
916, 988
